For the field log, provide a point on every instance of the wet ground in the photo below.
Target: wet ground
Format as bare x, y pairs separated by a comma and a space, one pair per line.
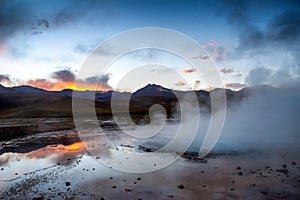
57, 165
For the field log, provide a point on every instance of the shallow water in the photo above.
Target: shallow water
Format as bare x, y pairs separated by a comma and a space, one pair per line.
57, 165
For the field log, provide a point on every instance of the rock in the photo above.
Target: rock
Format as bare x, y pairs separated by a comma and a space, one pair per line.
294, 163
68, 183
2, 169
240, 173
37, 198
231, 189
114, 186
180, 186
238, 168
284, 171
128, 189
139, 178
284, 166
111, 177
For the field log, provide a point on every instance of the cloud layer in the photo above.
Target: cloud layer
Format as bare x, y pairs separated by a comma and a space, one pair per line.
63, 79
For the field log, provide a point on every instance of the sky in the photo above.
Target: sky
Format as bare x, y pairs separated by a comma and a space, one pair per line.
44, 43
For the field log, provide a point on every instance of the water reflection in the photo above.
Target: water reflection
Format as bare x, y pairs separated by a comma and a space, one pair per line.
14, 165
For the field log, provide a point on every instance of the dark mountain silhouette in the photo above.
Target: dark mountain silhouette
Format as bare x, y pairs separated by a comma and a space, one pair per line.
27, 101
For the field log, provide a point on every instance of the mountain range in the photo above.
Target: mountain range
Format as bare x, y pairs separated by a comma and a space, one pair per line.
27, 101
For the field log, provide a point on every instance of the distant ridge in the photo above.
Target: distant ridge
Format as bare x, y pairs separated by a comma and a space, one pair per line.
27, 101
28, 89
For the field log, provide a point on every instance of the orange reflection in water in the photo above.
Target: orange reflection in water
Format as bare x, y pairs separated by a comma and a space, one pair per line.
75, 147
59, 149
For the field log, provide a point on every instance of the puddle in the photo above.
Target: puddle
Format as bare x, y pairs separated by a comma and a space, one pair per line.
57, 165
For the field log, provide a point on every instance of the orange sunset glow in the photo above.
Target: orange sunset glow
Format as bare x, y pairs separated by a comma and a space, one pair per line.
58, 86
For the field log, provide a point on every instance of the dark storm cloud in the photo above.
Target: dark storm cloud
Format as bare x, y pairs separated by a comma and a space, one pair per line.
282, 34
235, 11
68, 76
63, 75
282, 31
4, 78
27, 18
14, 17
274, 44
101, 81
77, 10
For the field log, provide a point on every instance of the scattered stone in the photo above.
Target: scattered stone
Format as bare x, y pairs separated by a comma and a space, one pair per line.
180, 186
203, 186
240, 173
111, 177
170, 196
37, 198
238, 168
128, 190
134, 182
139, 178
233, 182
68, 183
294, 163
16, 174
2, 169
202, 171
253, 184
231, 189
265, 192
145, 149
128, 146
102, 198
284, 171
284, 166
114, 186
93, 168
